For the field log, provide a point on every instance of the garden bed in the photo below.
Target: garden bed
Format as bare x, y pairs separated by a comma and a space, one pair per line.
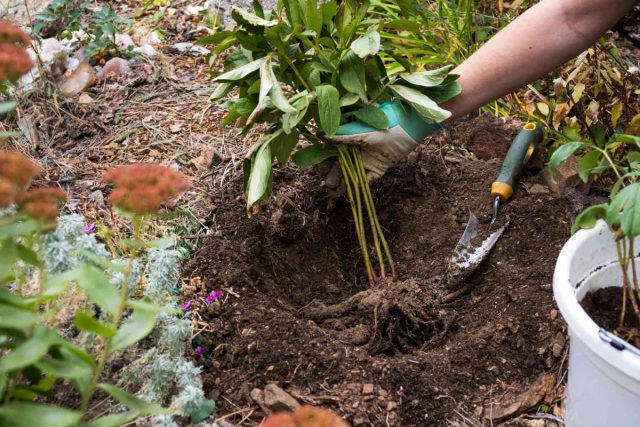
299, 253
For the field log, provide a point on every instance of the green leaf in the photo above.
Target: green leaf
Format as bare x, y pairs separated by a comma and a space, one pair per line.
114, 420
329, 109
630, 217
135, 328
18, 229
252, 42
102, 262
29, 351
283, 145
27, 255
587, 218
276, 94
245, 107
368, 44
86, 322
132, 402
246, 173
312, 17
625, 209
403, 25
147, 305
598, 133
257, 8
68, 366
563, 153
587, 163
221, 91
16, 318
424, 106
203, 411
292, 10
328, 10
98, 288
10, 134
444, 92
301, 103
313, 154
215, 38
253, 19
8, 257
8, 106
261, 175
352, 76
57, 283
429, 78
372, 116
27, 414
349, 99
241, 72
11, 298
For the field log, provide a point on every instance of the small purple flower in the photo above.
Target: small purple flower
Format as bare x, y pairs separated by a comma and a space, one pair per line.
187, 305
213, 296
91, 228
199, 351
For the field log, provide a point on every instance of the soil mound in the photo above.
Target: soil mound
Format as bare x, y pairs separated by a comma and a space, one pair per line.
427, 354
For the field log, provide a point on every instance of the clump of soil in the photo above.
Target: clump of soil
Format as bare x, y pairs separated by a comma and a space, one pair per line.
604, 306
301, 313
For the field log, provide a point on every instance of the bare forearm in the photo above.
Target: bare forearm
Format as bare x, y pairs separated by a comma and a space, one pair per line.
541, 39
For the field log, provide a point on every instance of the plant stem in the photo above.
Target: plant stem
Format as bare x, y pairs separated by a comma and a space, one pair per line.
633, 292
348, 178
374, 214
115, 320
370, 210
624, 263
624, 287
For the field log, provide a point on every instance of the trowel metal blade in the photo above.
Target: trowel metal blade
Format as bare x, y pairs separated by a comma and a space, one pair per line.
465, 256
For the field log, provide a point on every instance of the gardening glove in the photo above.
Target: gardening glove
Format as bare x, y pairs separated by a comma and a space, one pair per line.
381, 149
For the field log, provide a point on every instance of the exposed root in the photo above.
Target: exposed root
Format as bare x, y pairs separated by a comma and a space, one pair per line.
391, 316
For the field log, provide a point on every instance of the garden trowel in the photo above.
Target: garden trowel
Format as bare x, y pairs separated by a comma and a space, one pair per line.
467, 256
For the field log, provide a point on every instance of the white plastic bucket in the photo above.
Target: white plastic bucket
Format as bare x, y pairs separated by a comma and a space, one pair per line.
603, 387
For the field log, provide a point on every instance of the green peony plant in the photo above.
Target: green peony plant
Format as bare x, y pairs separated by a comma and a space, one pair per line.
305, 69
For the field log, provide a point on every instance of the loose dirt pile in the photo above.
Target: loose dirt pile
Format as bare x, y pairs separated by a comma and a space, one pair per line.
405, 353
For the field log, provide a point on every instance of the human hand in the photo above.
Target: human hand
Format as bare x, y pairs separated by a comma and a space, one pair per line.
381, 149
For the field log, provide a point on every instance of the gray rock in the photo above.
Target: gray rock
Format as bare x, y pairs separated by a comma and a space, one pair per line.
276, 399
115, 68
186, 48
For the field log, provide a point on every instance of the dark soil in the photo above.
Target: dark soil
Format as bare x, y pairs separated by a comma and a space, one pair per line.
604, 306
428, 354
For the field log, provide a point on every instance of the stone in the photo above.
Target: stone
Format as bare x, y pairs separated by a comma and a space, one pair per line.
80, 80
539, 189
367, 388
391, 406
146, 50
72, 65
257, 396
186, 48
53, 55
85, 98
97, 198
194, 10
115, 69
124, 42
360, 421
565, 177
276, 399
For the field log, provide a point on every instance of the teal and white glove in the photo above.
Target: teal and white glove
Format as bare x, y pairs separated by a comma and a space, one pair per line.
381, 149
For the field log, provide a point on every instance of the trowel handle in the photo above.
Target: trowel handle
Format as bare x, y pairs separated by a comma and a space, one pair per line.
517, 156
